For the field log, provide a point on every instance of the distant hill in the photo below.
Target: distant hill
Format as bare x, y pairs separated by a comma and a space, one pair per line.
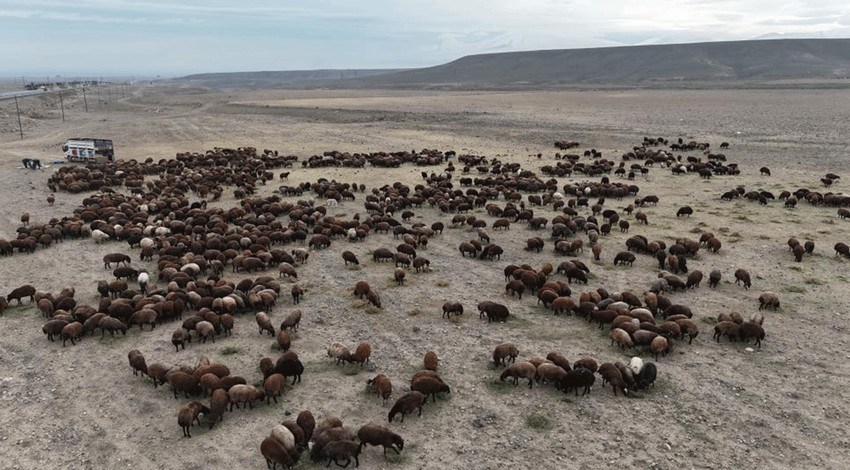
281, 79
655, 65
704, 62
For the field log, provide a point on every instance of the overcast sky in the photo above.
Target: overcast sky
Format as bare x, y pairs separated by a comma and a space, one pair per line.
177, 37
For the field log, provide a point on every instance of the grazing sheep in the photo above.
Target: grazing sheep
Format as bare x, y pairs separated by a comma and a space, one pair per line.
179, 339
306, 421
799, 251
505, 352
373, 298
688, 327
245, 394
559, 360
726, 328
297, 293
289, 365
769, 300
749, 330
362, 353
284, 340
579, 377
99, 236
520, 370
182, 382
406, 404
382, 385
431, 361
624, 257
20, 293
622, 338
645, 378
291, 321
275, 454
264, 323
376, 435
218, 405
635, 364
586, 363
611, 374
188, 414
339, 352
452, 307
137, 362
548, 372
743, 277
205, 330
658, 345
53, 328
342, 450
399, 275
684, 211
714, 278
495, 312
273, 385
349, 257
71, 331
430, 386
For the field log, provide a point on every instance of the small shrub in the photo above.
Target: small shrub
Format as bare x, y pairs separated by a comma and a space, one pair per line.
442, 283
813, 281
538, 422
230, 350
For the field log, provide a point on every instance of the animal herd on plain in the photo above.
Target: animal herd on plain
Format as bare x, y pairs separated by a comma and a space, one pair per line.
193, 259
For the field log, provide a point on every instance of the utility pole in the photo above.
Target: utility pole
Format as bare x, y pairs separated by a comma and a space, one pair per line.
20, 126
86, 103
62, 105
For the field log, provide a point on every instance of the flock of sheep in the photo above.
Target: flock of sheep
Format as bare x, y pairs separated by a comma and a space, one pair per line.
192, 250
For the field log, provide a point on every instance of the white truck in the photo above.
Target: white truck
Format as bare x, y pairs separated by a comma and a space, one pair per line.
89, 150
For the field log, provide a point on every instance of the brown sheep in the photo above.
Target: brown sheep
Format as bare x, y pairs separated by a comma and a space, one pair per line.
611, 374
297, 293
71, 331
362, 353
338, 450
275, 453
376, 435
273, 385
245, 394
189, 414
714, 278
374, 298
218, 405
515, 287
399, 275
339, 352
209, 383
264, 323
749, 330
431, 360
137, 362
659, 345
284, 340
799, 251
550, 373
452, 307
586, 363
688, 327
266, 367
559, 360
622, 338
406, 404
182, 382
20, 293
53, 328
743, 277
382, 385
179, 338
307, 422
505, 352
429, 386
769, 300
726, 328
205, 330
291, 321
145, 316
520, 370
349, 257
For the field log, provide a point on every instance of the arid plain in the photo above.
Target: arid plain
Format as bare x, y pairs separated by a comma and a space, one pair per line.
714, 405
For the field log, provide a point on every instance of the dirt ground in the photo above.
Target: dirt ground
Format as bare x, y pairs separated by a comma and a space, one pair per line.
713, 406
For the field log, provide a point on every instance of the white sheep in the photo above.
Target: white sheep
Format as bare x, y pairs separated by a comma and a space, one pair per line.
283, 435
636, 364
557, 196
147, 243
143, 281
331, 202
162, 231
352, 234
99, 236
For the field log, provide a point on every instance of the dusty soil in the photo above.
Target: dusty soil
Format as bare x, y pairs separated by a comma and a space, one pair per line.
713, 406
